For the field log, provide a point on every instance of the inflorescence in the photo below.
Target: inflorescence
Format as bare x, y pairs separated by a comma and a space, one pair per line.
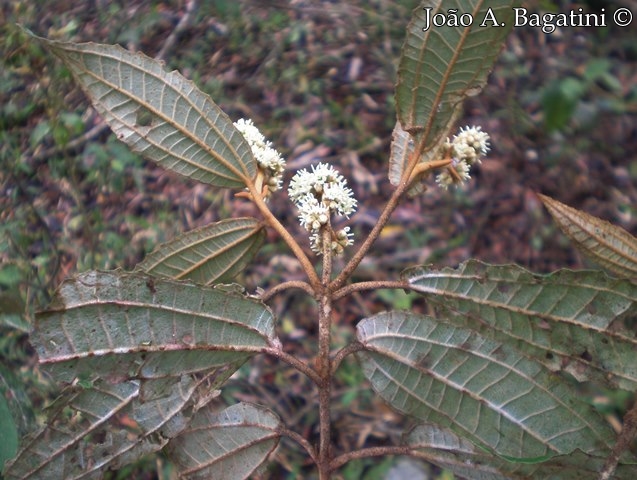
323, 192
318, 194
467, 148
269, 160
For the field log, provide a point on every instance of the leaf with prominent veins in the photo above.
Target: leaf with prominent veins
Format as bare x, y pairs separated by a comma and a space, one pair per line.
227, 444
606, 244
441, 66
211, 254
573, 321
480, 389
452, 452
137, 326
159, 114
105, 426
140, 354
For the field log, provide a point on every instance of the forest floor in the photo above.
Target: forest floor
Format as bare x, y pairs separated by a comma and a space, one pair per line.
317, 77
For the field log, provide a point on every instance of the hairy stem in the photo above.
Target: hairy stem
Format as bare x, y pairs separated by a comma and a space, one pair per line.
424, 167
294, 362
391, 205
373, 285
258, 200
384, 217
344, 352
301, 441
369, 452
323, 360
307, 288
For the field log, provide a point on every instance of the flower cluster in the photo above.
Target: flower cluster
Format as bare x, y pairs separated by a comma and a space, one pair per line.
318, 194
269, 160
466, 149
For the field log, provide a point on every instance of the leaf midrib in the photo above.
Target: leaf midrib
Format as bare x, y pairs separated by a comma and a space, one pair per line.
243, 175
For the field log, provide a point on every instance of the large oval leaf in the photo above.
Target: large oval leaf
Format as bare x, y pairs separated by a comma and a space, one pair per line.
451, 452
112, 324
140, 352
229, 444
106, 425
440, 66
159, 114
578, 322
608, 245
211, 254
482, 390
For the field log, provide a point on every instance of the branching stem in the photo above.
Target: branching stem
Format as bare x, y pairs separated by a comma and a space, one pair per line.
369, 452
424, 167
344, 352
373, 285
384, 217
306, 287
323, 361
301, 441
623, 443
307, 265
295, 363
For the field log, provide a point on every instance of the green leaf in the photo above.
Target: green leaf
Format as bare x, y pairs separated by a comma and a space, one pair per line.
559, 101
108, 425
443, 65
608, 245
141, 353
211, 254
16, 411
159, 114
229, 444
12, 310
482, 390
8, 432
451, 452
576, 322
112, 324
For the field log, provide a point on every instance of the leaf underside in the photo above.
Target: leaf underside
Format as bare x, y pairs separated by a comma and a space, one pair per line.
159, 114
228, 444
440, 67
140, 352
451, 452
211, 254
578, 322
606, 244
482, 390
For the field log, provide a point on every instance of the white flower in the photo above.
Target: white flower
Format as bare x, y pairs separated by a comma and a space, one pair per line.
471, 143
326, 185
345, 237
269, 159
460, 174
339, 198
318, 194
314, 182
466, 148
312, 213
250, 132
341, 239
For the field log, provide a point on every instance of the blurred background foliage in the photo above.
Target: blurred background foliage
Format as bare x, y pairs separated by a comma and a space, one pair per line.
317, 77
